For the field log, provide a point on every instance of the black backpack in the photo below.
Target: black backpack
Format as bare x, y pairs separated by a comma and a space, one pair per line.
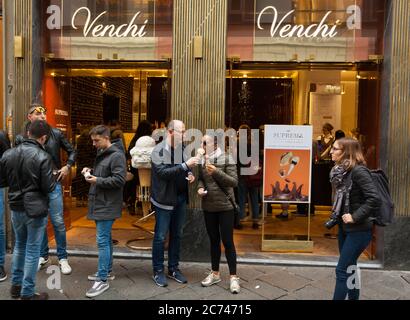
385, 214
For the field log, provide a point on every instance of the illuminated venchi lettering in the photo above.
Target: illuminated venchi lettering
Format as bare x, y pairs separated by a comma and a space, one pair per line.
99, 30
322, 29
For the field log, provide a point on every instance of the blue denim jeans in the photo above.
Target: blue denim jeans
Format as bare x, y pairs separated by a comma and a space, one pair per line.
105, 248
172, 221
351, 246
56, 212
2, 230
243, 191
28, 233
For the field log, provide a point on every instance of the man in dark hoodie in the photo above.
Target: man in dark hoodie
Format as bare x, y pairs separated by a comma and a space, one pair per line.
27, 169
107, 180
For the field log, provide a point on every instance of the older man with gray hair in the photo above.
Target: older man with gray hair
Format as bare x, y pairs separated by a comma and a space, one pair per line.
171, 172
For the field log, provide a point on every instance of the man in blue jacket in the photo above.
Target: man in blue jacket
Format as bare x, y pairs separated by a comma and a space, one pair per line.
169, 195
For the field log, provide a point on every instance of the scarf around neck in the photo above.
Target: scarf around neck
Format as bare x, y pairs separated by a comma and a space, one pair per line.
338, 179
337, 176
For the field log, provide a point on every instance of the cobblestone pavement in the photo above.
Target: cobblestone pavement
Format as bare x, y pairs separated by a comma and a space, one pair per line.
259, 282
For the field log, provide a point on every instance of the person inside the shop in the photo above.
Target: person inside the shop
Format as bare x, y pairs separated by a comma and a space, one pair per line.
360, 198
325, 142
107, 180
4, 146
85, 158
55, 142
217, 178
170, 175
248, 184
28, 172
339, 134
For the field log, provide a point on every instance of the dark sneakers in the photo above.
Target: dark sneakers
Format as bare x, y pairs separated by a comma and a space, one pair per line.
160, 279
37, 296
15, 291
177, 276
3, 274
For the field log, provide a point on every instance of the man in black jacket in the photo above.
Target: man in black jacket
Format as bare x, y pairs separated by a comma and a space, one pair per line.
104, 202
55, 142
4, 145
23, 169
169, 195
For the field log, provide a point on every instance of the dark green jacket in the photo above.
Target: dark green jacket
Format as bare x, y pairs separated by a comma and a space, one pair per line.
226, 175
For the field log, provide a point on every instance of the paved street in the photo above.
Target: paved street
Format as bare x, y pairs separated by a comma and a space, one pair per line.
259, 282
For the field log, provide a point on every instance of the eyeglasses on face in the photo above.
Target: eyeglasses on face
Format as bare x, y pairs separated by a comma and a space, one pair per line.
39, 109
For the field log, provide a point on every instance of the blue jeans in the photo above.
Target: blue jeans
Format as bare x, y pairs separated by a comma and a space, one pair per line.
351, 246
105, 248
56, 211
28, 232
2, 230
243, 191
172, 220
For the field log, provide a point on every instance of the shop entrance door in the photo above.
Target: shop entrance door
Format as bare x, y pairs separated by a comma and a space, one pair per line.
81, 95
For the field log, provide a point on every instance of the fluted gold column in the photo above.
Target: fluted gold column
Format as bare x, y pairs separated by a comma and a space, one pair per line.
398, 141
23, 66
198, 85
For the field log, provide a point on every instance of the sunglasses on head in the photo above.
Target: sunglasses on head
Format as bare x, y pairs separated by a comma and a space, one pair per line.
38, 109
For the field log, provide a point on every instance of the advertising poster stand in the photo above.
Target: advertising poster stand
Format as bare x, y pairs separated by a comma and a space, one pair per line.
287, 175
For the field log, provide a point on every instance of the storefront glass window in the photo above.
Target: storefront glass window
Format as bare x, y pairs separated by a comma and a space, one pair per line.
301, 30
107, 30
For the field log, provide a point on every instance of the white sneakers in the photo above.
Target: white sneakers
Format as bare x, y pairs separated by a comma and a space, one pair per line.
42, 262
64, 266
211, 279
234, 286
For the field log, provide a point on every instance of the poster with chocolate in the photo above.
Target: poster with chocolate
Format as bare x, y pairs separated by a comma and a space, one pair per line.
288, 158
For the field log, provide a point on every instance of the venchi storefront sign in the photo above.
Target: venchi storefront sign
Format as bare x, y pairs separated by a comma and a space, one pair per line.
316, 30
107, 30
93, 26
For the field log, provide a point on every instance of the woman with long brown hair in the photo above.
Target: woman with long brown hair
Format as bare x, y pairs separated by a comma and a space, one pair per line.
355, 199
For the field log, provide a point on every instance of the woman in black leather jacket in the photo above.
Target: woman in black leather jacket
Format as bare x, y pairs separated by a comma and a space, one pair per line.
355, 227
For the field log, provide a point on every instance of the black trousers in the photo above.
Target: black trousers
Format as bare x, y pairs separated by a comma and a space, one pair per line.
219, 226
